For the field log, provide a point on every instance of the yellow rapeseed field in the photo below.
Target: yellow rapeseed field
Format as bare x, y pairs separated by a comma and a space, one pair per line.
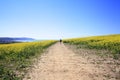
107, 42
15, 57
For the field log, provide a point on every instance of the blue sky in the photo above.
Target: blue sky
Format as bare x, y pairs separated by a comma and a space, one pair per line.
54, 19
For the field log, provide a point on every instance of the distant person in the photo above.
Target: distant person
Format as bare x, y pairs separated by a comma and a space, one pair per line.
60, 41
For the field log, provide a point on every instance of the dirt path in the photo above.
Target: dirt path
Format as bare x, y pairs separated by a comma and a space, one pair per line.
60, 63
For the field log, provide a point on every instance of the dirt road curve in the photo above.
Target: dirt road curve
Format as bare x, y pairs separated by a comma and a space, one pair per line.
60, 63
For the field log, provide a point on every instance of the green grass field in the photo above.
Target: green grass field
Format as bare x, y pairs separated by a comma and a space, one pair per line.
107, 42
14, 58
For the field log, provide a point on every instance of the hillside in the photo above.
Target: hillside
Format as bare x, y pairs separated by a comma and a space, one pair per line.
15, 58
12, 40
105, 42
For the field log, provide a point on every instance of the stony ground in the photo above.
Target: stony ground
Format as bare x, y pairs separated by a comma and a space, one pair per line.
62, 62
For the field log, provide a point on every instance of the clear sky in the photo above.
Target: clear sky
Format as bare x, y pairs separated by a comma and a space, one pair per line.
54, 19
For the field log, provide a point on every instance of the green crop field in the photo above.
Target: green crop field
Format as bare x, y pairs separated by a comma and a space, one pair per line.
14, 58
107, 42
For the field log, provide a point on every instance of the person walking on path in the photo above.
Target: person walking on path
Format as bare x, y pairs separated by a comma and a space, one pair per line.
60, 41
